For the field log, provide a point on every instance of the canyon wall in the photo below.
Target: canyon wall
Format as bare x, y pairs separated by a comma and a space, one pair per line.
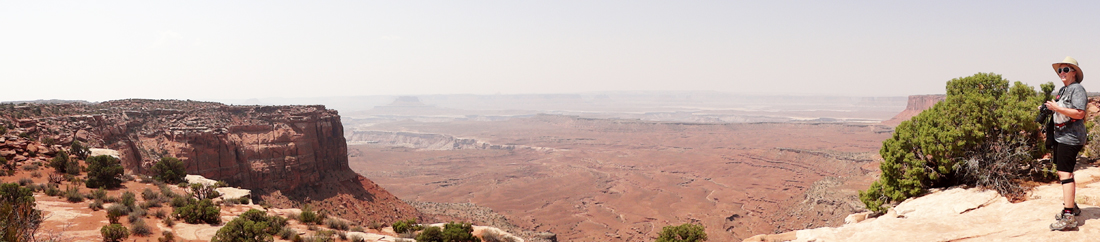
917, 104
289, 155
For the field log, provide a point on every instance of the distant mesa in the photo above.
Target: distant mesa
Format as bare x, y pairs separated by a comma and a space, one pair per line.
405, 103
917, 104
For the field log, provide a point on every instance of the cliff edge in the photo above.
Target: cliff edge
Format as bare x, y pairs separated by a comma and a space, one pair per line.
969, 214
917, 104
288, 155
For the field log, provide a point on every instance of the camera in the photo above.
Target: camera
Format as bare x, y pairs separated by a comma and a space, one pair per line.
1044, 113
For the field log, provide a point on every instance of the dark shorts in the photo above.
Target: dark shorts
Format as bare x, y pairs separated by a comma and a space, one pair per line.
1065, 156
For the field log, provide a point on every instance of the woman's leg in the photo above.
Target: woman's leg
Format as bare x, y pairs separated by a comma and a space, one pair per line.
1069, 190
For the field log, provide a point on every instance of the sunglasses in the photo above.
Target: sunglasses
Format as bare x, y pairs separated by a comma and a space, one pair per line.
1063, 70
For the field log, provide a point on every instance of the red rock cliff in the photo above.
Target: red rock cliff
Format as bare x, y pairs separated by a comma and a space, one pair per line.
917, 104
287, 154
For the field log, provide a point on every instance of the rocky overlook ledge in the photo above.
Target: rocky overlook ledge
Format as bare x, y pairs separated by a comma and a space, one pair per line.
289, 155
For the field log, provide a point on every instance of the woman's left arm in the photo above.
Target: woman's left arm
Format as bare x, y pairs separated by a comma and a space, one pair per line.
1071, 113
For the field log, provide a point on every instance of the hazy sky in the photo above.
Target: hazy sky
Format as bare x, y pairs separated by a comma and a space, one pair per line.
99, 50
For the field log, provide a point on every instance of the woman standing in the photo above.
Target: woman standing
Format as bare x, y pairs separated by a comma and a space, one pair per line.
1069, 136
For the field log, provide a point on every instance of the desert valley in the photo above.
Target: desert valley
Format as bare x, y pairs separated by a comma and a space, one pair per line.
616, 174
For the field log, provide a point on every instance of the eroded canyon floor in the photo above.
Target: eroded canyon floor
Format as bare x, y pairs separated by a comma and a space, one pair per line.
623, 180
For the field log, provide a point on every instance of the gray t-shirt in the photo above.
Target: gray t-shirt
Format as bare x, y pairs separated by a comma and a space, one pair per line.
1073, 133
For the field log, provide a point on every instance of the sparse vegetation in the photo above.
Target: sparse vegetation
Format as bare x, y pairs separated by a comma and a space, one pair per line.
62, 164
129, 199
430, 234
7, 165
168, 221
253, 225
18, 216
104, 171
337, 224
169, 170
73, 195
52, 190
24, 181
682, 233
410, 225
99, 194
139, 228
96, 205
356, 238
983, 134
200, 191
199, 211
308, 216
287, 233
116, 211
80, 151
114, 232
491, 235
167, 236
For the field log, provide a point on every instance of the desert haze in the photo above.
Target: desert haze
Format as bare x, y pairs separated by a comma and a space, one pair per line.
622, 176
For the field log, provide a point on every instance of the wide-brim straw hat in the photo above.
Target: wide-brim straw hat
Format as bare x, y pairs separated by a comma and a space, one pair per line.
1072, 62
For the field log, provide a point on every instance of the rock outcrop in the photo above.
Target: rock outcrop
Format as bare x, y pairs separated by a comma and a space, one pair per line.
970, 214
917, 104
296, 153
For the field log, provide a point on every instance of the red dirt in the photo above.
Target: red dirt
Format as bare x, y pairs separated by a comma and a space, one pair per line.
622, 180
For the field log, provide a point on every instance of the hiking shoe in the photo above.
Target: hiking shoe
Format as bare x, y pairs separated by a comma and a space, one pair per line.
1065, 221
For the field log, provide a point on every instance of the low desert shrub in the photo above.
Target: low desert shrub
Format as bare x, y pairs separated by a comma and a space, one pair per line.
682, 233
410, 225
73, 195
99, 194
149, 194
308, 216
358, 229
199, 211
337, 224
160, 213
96, 205
151, 203
252, 225
287, 233
136, 215
167, 236
116, 211
36, 174
139, 228
430, 234
129, 199
356, 238
168, 221
111, 199
179, 201
30, 167
24, 181
52, 190
114, 232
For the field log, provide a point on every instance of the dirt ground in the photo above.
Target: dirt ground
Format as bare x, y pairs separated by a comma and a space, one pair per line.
623, 180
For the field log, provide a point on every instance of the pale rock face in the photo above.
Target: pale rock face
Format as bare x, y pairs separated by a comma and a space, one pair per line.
973, 215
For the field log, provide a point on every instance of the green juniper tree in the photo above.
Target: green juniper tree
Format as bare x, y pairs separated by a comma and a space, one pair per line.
984, 133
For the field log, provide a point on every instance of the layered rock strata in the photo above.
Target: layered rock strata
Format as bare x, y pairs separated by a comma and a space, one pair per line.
295, 152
